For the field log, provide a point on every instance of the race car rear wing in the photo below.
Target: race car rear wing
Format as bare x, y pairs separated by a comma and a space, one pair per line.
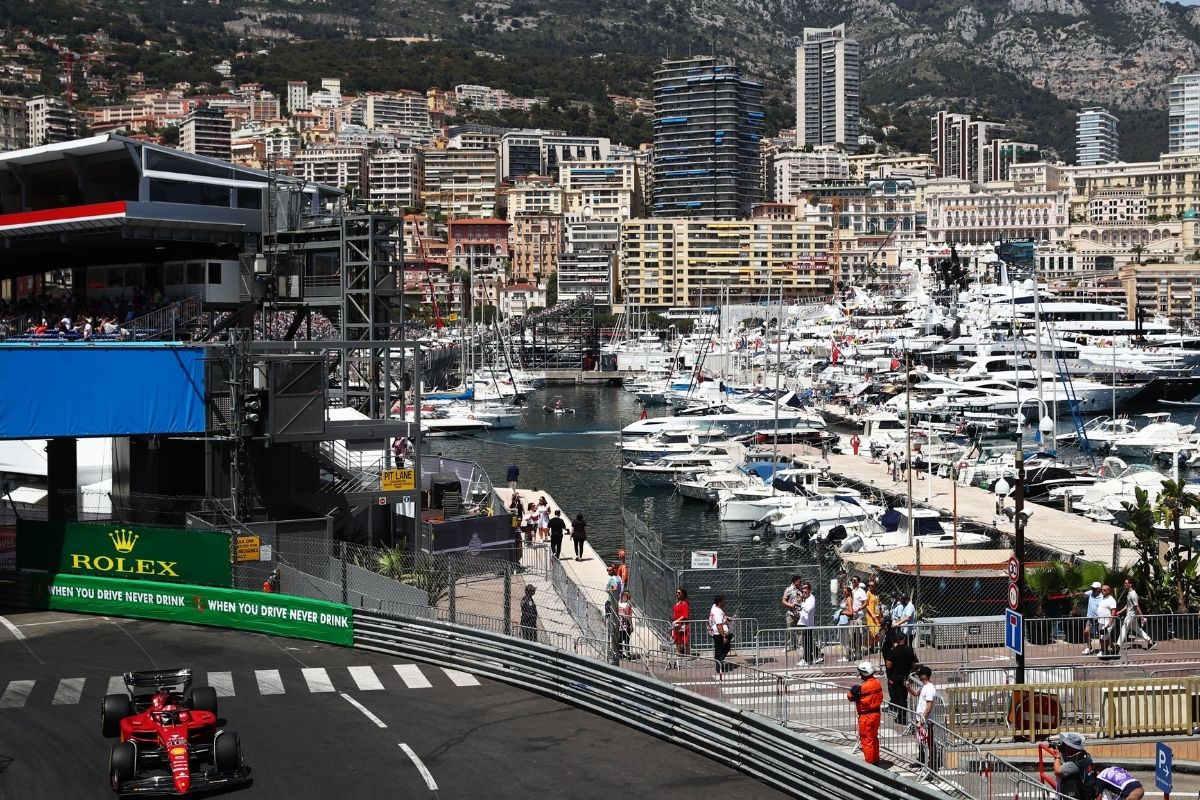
159, 680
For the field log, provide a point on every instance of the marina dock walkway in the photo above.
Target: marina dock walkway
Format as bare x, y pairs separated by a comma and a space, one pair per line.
1049, 528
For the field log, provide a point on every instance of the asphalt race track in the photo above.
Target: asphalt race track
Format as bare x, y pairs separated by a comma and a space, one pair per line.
319, 721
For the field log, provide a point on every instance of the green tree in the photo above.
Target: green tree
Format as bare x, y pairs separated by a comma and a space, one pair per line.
552, 290
1147, 572
1175, 503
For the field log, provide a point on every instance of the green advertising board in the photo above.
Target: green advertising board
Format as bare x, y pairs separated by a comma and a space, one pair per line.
275, 614
116, 550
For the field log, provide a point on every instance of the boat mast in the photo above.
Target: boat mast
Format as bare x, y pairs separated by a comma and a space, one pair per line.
778, 370
908, 436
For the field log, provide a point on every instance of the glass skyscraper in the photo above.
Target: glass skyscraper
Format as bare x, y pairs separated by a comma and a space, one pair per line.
1096, 139
708, 120
1183, 126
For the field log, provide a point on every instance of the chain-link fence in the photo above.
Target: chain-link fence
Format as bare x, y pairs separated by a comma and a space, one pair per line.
753, 591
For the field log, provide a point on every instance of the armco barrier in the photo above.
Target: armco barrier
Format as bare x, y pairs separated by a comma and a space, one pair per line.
276, 614
760, 747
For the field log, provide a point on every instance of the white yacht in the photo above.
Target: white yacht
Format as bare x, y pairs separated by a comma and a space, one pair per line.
664, 471
706, 486
1158, 432
669, 442
928, 531
737, 419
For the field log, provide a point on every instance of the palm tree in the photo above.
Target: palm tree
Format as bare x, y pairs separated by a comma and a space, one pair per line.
1138, 250
1175, 503
1147, 571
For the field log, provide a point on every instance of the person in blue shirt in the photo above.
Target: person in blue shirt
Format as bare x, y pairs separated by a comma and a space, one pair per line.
513, 473
1091, 628
903, 615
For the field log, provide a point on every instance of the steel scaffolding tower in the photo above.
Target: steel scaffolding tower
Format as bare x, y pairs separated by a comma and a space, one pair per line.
372, 271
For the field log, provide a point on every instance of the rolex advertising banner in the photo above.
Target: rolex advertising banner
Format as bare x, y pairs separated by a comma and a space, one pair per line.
275, 614
116, 550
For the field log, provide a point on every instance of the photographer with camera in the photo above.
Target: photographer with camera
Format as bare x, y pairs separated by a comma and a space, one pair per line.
1073, 768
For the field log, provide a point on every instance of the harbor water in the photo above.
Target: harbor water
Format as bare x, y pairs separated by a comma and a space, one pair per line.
574, 456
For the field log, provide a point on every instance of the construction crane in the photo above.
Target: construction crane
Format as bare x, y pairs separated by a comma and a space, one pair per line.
835, 246
437, 314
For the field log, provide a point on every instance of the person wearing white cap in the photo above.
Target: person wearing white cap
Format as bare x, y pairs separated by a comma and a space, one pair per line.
1090, 626
868, 702
1073, 768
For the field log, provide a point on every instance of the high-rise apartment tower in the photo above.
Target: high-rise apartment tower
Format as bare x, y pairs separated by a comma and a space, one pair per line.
708, 120
827, 89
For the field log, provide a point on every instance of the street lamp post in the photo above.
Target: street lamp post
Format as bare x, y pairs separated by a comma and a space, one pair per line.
1018, 492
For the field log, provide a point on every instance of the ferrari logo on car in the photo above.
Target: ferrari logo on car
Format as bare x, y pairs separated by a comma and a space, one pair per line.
179, 751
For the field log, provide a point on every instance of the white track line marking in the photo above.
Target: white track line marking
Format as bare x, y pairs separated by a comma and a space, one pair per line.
222, 682
412, 676
68, 692
460, 678
269, 681
116, 685
420, 765
317, 679
364, 710
366, 678
16, 694
13, 629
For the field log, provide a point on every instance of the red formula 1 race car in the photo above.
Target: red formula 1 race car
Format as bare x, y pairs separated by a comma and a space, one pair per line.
169, 740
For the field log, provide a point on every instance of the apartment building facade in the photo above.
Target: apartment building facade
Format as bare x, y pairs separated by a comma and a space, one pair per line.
677, 262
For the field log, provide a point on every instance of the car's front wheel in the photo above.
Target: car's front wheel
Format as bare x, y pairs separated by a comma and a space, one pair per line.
122, 764
203, 698
115, 708
227, 751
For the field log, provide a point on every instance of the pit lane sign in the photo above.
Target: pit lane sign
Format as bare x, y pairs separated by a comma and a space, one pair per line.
398, 480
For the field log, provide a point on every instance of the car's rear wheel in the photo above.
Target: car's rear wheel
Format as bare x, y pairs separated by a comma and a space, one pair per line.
115, 708
122, 764
204, 698
227, 751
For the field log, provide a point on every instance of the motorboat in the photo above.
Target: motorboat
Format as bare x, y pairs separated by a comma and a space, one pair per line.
706, 486
811, 520
1158, 432
664, 472
1102, 431
927, 531
738, 419
557, 407
438, 422
664, 443
787, 489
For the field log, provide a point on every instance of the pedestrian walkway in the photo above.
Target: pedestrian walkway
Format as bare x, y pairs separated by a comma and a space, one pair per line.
1049, 528
587, 577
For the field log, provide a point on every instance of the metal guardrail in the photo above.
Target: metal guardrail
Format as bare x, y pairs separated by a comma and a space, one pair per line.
774, 754
1050, 642
1110, 709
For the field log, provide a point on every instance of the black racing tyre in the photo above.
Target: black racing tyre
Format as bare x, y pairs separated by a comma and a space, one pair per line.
122, 764
115, 708
791, 535
203, 698
227, 751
